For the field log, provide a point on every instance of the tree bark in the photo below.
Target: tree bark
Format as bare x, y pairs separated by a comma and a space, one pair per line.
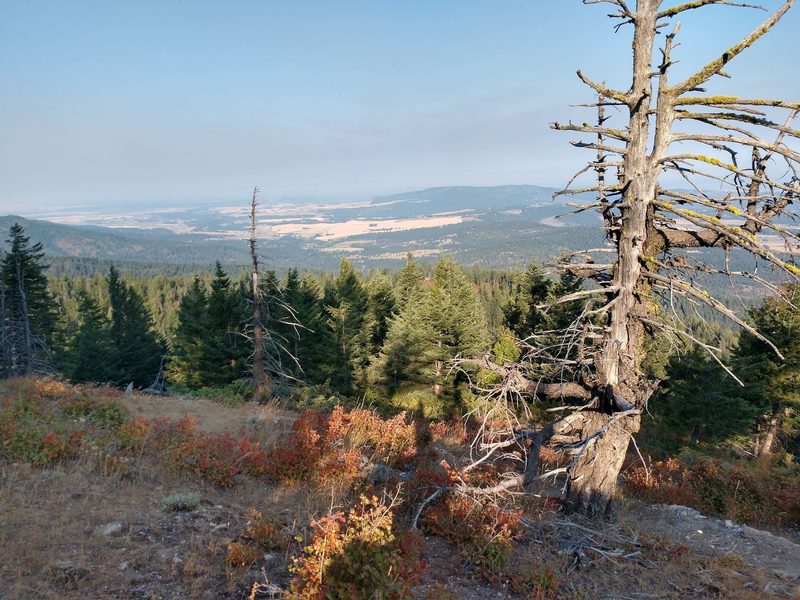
592, 484
769, 438
260, 375
593, 480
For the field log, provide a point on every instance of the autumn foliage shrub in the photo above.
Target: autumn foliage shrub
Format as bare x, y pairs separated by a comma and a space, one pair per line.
44, 420
241, 555
483, 530
325, 448
263, 532
213, 457
357, 555
392, 441
313, 451
755, 492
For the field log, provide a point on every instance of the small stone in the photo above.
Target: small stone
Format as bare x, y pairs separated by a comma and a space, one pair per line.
65, 571
777, 589
114, 528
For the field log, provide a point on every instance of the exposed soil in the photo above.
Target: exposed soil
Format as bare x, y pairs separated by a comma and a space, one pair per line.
716, 537
72, 532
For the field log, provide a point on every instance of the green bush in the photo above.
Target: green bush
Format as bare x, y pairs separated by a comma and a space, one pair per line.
181, 502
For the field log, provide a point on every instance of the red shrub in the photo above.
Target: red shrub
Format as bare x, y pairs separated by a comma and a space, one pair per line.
754, 492
357, 555
315, 451
483, 530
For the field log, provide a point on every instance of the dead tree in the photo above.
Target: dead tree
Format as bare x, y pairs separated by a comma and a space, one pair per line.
270, 348
260, 373
739, 148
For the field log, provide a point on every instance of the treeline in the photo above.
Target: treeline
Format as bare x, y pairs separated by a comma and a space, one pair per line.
345, 331
388, 336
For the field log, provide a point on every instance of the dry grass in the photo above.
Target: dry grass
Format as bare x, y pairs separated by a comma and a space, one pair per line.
210, 416
52, 544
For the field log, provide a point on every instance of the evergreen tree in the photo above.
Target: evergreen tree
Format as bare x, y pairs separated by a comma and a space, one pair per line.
455, 318
562, 315
190, 363
406, 355
312, 341
226, 349
278, 321
138, 352
409, 281
531, 288
382, 306
90, 351
26, 308
772, 385
348, 313
699, 403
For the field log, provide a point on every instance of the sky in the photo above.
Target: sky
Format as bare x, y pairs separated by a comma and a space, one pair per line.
124, 102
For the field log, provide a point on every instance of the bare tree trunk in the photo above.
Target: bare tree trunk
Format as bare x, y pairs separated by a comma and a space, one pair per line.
26, 322
593, 481
643, 221
593, 484
260, 375
765, 449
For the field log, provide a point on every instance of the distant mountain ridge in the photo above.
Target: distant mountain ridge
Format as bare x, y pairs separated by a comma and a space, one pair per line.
496, 226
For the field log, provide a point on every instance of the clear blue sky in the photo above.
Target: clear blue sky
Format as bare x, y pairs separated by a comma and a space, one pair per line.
118, 101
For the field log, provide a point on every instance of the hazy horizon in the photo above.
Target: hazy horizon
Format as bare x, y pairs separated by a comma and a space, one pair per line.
156, 103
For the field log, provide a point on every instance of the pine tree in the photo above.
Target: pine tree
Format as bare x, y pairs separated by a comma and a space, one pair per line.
406, 355
455, 318
347, 315
138, 352
409, 281
698, 403
772, 385
190, 364
382, 306
90, 352
312, 340
226, 349
26, 308
563, 315
531, 288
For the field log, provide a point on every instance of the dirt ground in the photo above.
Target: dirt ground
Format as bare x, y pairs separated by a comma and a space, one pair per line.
73, 533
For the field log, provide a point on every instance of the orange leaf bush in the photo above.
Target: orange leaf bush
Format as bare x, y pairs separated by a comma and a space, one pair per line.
357, 555
483, 530
755, 492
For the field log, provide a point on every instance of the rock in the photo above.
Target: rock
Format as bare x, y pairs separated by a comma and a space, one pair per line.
112, 529
164, 555
380, 473
774, 588
65, 571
